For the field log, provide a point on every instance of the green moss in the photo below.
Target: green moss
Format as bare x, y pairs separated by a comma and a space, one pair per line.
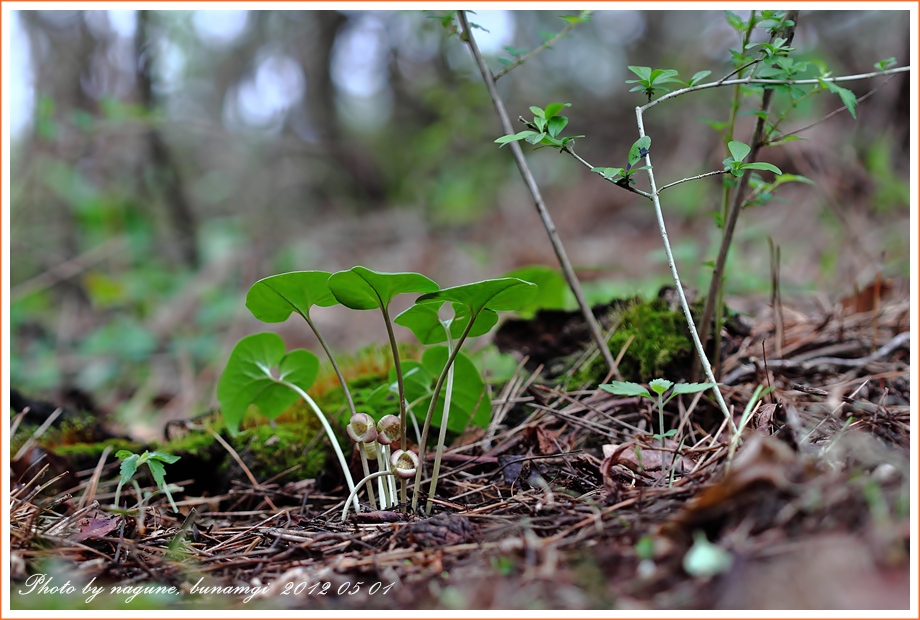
272, 449
86, 455
660, 344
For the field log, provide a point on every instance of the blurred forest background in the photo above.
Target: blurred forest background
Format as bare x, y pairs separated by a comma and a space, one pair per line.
163, 161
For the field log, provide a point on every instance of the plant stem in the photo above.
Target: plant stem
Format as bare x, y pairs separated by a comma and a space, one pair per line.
401, 390
367, 472
522, 59
332, 439
714, 297
353, 496
680, 289
843, 78
442, 435
383, 485
335, 366
531, 184
661, 420
434, 402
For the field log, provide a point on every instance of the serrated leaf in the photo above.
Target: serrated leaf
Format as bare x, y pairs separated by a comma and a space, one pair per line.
163, 456
738, 150
158, 471
846, 96
759, 165
660, 386
248, 379
128, 466
361, 288
625, 388
273, 299
692, 388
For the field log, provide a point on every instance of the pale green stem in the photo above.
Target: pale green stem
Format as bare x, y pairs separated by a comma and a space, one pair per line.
367, 472
332, 439
434, 401
680, 289
335, 366
401, 389
442, 435
383, 486
353, 496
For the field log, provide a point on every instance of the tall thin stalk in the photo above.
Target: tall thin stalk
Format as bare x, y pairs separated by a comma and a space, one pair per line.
530, 182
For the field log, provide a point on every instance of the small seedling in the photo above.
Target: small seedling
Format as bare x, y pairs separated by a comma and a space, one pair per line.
659, 386
154, 461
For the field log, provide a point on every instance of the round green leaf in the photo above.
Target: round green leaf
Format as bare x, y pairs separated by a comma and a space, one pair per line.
273, 299
428, 327
248, 378
360, 288
469, 402
638, 150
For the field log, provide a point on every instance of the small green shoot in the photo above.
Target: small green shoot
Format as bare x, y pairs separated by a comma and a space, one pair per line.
734, 163
659, 387
130, 462
623, 176
705, 559
545, 128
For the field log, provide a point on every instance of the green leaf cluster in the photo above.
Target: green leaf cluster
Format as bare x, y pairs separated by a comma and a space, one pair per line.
545, 128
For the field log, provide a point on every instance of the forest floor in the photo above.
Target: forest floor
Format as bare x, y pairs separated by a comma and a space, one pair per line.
564, 502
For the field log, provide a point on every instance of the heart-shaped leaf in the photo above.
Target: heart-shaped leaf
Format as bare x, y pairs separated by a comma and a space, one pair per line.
498, 294
248, 378
739, 150
273, 299
469, 403
360, 288
428, 327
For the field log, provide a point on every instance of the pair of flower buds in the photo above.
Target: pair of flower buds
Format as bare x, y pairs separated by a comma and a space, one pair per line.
362, 430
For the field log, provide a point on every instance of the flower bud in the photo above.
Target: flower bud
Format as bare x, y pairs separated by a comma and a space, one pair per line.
388, 429
361, 429
405, 462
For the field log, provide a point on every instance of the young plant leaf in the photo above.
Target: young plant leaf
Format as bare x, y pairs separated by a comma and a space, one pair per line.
699, 76
660, 386
555, 108
468, 402
739, 150
846, 96
759, 165
128, 465
625, 388
248, 378
163, 456
692, 388
360, 288
644, 73
515, 137
499, 294
426, 324
273, 299
158, 471
638, 150
537, 112
556, 124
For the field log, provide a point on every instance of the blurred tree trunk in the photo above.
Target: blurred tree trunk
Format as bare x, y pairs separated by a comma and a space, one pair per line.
165, 177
